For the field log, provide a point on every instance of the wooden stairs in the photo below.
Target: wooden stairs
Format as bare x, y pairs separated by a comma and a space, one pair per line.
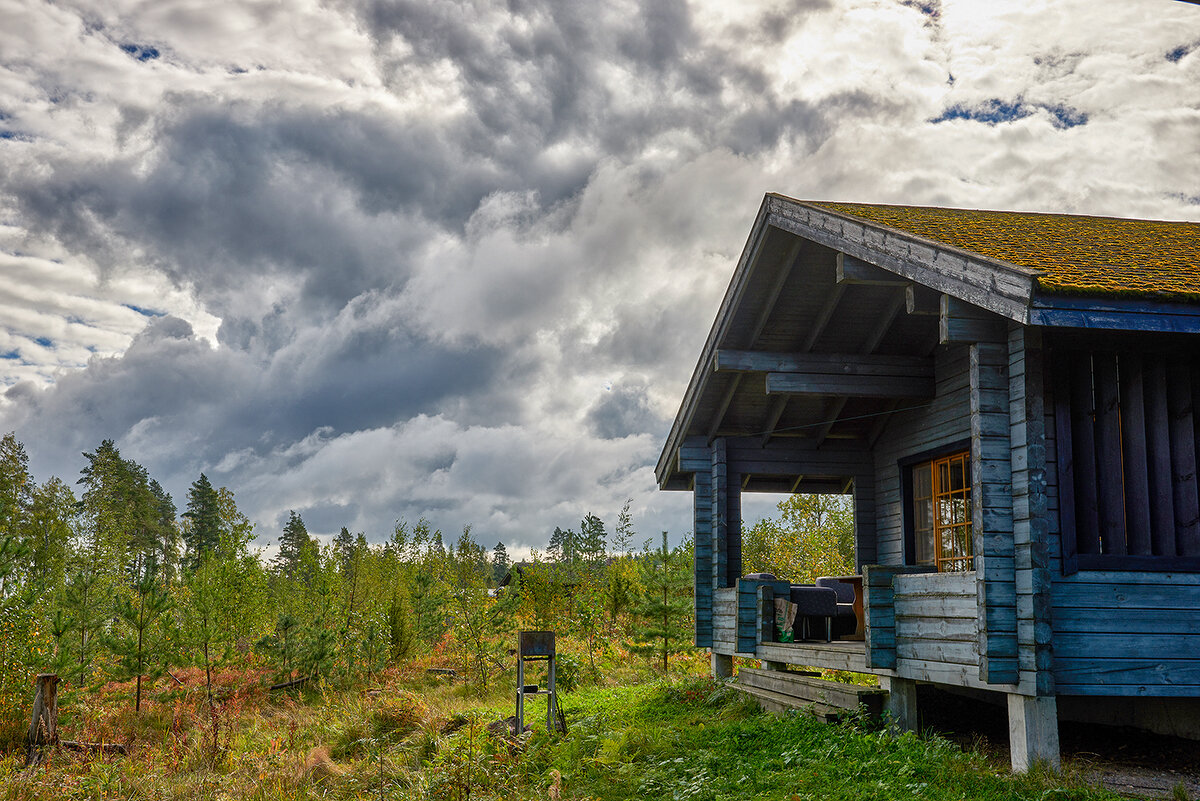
782, 690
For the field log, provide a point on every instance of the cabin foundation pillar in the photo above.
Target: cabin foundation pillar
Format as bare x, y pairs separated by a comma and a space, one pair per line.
1032, 731
722, 666
901, 706
767, 664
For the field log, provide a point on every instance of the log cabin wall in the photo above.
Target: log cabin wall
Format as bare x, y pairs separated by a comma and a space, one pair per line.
1115, 632
943, 424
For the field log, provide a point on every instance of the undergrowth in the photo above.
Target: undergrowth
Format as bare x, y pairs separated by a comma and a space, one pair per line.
410, 738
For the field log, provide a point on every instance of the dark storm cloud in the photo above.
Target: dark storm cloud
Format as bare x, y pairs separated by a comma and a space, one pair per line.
412, 240
622, 412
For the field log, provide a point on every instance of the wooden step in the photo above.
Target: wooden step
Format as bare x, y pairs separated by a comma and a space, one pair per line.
805, 689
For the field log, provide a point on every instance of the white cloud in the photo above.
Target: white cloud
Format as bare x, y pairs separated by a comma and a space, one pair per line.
457, 259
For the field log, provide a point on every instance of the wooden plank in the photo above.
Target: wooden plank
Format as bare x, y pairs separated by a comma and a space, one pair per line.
823, 363
858, 272
922, 301
833, 656
1136, 469
936, 628
1131, 690
936, 606
1167, 647
1109, 488
809, 689
1158, 433
1000, 287
1137, 671
944, 673
955, 653
1183, 458
1103, 596
966, 323
1087, 519
855, 386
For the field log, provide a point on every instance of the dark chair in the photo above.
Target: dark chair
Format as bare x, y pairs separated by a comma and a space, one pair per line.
844, 619
813, 602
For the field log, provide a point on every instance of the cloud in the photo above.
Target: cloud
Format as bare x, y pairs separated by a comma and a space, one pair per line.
374, 259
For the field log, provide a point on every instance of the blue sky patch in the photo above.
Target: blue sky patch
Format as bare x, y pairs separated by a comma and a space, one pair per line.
1176, 55
45, 342
995, 111
12, 354
926, 7
141, 52
144, 312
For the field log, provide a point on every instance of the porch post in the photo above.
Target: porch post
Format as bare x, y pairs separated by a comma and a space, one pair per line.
702, 528
901, 705
726, 493
722, 666
1032, 731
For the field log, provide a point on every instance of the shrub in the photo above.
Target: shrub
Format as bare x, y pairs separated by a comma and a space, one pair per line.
22, 652
398, 715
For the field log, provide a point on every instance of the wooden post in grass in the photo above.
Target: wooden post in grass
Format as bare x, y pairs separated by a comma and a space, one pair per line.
43, 727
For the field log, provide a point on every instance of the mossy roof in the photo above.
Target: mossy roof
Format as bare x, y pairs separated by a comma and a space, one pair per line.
1073, 254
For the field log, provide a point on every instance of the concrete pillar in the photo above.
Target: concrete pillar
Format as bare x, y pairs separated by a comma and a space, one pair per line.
1032, 731
901, 704
722, 666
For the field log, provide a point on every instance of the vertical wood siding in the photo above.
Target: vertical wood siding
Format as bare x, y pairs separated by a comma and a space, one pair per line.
703, 569
1121, 632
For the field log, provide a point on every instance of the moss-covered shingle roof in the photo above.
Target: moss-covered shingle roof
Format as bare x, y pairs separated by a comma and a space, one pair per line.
1074, 255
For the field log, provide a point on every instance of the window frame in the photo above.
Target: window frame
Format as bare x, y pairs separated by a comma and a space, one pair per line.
908, 466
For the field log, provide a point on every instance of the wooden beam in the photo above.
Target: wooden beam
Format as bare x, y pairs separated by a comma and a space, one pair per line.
868, 347
922, 301
719, 417
823, 318
851, 270
840, 363
851, 386
773, 416
961, 322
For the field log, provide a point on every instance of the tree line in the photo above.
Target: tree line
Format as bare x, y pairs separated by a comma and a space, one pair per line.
109, 580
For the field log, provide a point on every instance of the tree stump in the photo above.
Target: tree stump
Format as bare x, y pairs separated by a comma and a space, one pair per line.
43, 727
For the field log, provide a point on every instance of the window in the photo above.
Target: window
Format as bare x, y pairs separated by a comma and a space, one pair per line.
941, 512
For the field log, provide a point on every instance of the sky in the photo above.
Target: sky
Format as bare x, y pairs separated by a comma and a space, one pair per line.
375, 260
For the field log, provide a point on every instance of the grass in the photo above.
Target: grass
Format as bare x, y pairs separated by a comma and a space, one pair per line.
414, 738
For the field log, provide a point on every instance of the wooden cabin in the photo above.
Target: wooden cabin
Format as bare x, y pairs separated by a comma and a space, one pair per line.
1008, 397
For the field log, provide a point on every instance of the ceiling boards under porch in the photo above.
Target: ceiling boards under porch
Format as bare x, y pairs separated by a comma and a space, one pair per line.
811, 353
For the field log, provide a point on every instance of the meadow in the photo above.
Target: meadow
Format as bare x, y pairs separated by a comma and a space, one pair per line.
414, 735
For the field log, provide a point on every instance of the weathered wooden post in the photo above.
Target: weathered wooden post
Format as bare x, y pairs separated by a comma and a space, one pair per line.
43, 727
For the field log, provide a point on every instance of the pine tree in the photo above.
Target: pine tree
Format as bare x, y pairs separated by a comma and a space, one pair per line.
166, 531
16, 487
343, 546
293, 542
500, 563
623, 535
592, 541
666, 604
204, 514
137, 616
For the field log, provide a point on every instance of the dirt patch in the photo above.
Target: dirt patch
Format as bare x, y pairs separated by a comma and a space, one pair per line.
1131, 762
